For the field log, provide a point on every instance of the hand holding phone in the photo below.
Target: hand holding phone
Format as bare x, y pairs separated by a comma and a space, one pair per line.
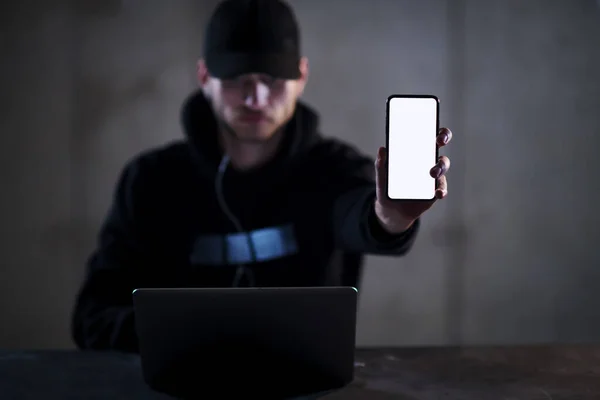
410, 175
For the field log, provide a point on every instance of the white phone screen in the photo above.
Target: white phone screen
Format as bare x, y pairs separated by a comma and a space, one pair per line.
412, 151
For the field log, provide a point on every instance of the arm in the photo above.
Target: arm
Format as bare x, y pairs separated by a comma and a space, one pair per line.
357, 229
102, 318
352, 190
361, 209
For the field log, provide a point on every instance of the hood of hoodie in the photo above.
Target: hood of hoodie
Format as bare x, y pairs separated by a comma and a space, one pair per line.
200, 126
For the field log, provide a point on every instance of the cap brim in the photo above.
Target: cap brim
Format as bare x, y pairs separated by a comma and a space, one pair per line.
230, 65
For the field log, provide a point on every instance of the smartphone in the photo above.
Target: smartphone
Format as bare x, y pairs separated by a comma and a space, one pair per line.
412, 124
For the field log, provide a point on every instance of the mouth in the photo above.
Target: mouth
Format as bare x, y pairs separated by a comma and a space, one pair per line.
253, 118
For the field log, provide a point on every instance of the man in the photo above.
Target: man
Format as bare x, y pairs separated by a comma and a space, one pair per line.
254, 197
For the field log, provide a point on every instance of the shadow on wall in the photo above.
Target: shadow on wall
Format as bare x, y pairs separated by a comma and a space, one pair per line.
101, 97
98, 9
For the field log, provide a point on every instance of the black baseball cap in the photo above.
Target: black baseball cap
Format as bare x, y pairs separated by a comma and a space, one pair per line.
252, 36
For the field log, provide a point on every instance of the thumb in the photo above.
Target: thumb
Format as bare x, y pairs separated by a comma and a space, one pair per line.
381, 176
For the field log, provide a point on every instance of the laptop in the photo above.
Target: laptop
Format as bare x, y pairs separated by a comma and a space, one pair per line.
268, 342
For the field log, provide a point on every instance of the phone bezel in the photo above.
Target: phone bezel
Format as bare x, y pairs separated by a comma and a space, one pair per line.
387, 138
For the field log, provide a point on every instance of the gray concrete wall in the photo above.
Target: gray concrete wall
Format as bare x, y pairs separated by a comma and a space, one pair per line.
532, 125
508, 257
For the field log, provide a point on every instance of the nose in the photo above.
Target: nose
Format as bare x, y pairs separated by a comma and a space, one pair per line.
257, 95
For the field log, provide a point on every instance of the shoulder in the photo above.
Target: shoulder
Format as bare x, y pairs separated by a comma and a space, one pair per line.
156, 164
167, 157
340, 155
339, 150
335, 159
170, 154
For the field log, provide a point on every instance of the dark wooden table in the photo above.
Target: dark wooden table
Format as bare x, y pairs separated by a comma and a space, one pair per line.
524, 373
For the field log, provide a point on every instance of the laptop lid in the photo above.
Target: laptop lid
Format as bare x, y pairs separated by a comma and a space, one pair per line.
269, 342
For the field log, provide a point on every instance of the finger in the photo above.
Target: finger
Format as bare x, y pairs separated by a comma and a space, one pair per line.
441, 167
381, 173
442, 188
444, 137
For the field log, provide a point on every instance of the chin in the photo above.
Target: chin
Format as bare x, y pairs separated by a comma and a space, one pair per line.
257, 134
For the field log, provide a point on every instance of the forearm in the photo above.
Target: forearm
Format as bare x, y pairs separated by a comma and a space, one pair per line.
357, 229
103, 317
107, 328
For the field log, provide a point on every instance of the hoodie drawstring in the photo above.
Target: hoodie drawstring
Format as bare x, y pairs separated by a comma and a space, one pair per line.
241, 269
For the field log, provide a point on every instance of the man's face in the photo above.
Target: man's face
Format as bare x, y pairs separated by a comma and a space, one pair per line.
254, 106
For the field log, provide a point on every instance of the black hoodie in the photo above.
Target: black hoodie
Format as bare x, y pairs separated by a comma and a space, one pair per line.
182, 218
